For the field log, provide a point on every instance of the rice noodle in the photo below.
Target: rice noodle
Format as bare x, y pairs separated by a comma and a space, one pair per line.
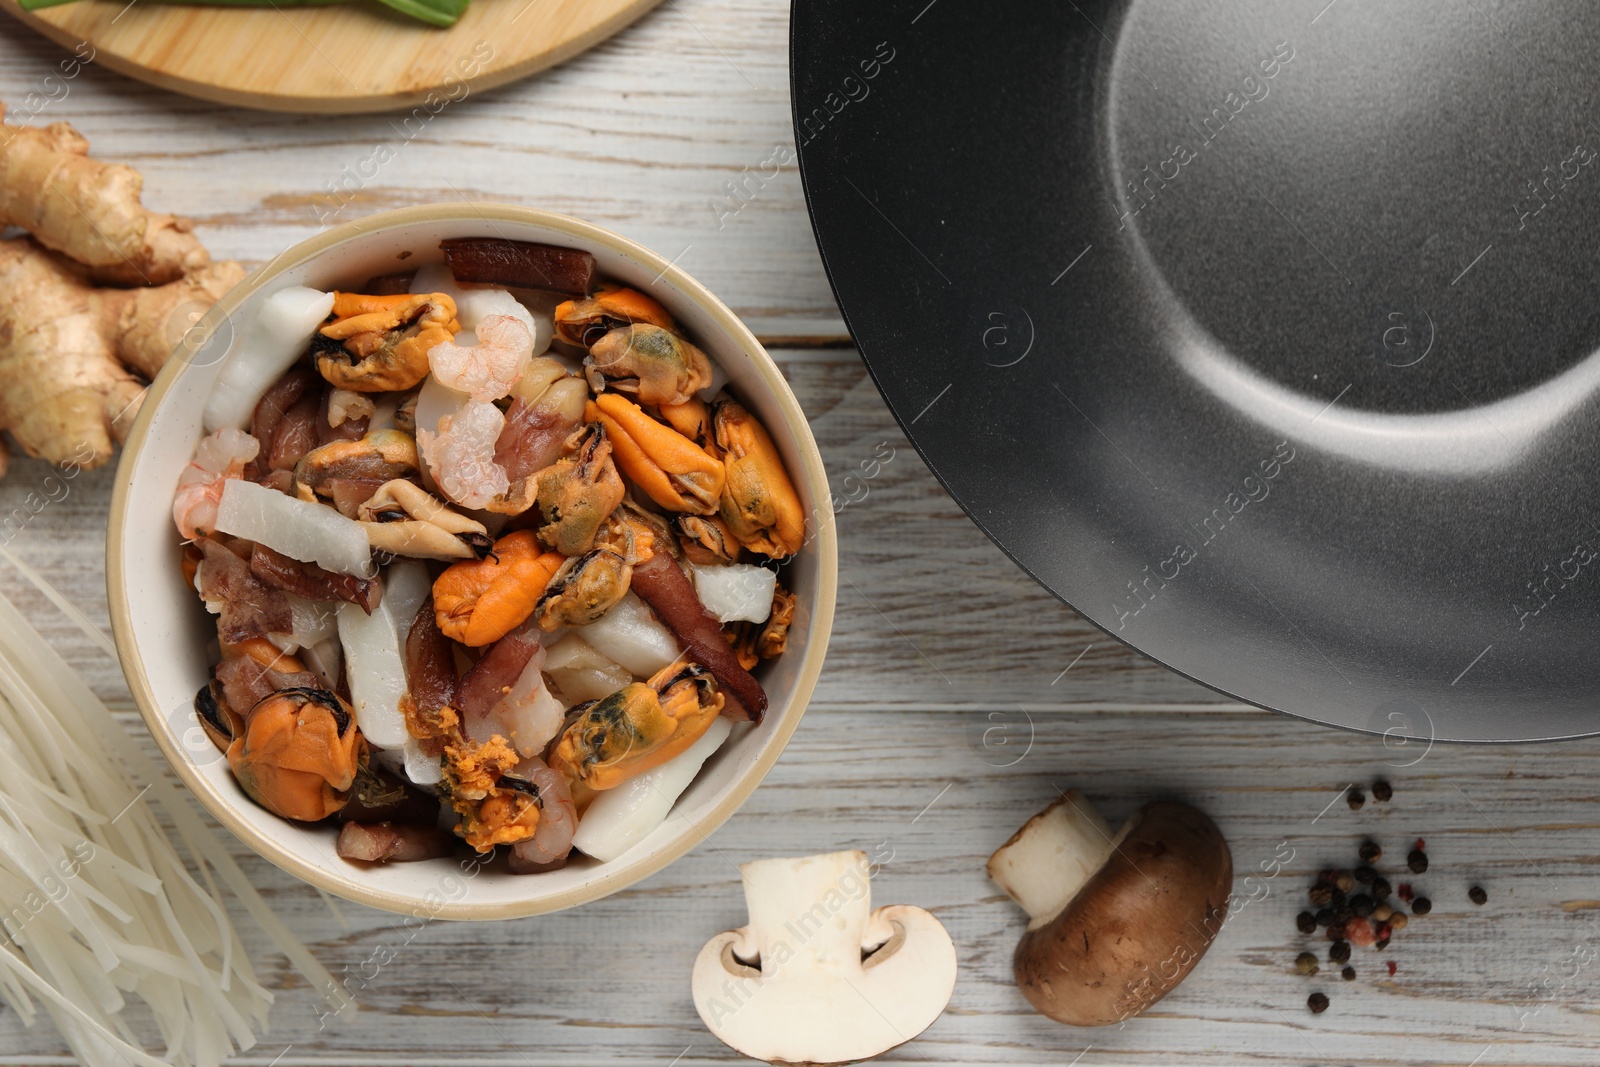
97, 906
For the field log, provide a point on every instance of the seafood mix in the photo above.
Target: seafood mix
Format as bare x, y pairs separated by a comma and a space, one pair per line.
492, 555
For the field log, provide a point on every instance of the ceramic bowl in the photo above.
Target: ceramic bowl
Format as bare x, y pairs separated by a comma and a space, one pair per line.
163, 633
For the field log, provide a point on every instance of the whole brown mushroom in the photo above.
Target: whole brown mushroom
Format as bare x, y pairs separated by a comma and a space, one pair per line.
1116, 921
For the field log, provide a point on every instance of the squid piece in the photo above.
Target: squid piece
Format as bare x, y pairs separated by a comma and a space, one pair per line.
298, 754
581, 673
583, 322
579, 491
661, 583
404, 519
655, 364
477, 602
668, 467
640, 726
379, 344
759, 503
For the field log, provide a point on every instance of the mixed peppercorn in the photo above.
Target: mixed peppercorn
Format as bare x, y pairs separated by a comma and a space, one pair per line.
1359, 907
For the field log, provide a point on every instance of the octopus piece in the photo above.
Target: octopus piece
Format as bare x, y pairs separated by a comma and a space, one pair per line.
387, 842
298, 753
662, 584
379, 344
758, 503
283, 395
245, 606
640, 726
667, 467
461, 455
404, 519
219, 456
579, 491
488, 369
532, 439
477, 602
313, 582
519, 264
296, 434
583, 322
504, 694
431, 681
655, 364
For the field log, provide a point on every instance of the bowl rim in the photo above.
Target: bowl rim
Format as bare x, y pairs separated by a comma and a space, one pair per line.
613, 876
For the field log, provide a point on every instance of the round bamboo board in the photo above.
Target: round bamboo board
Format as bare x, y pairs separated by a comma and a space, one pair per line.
330, 60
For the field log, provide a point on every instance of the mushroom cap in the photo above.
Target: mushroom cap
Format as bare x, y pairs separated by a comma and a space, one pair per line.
1137, 927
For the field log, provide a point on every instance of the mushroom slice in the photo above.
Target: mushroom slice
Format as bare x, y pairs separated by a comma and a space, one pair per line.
818, 977
1115, 922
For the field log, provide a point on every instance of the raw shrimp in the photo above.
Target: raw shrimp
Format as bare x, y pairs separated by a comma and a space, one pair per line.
558, 820
461, 455
220, 456
487, 370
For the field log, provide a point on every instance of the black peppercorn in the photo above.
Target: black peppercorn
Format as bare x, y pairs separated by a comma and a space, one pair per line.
1365, 875
1348, 974
1381, 889
1318, 1003
1305, 922
1320, 895
1336, 931
1344, 914
1324, 916
1339, 899
1382, 790
1477, 895
1421, 906
1417, 860
1305, 963
1381, 944
1370, 852
1356, 798
1362, 905
1340, 952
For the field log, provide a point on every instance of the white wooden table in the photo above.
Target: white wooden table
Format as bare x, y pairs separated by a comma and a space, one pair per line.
957, 696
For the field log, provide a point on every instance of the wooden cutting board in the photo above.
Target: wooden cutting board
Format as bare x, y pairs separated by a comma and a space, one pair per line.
330, 60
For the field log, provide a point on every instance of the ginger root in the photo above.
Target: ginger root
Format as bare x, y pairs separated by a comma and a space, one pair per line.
75, 356
89, 209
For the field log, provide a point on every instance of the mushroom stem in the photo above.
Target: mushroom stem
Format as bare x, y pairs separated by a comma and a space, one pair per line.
814, 911
1055, 853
